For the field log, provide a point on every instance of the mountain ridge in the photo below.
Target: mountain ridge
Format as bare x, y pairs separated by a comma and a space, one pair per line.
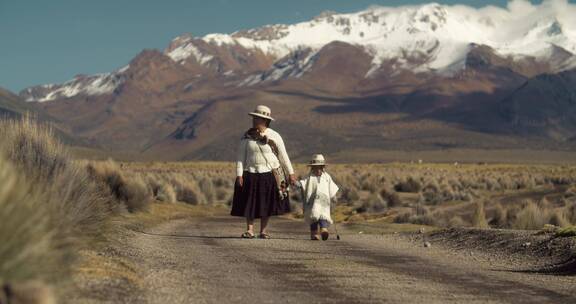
413, 77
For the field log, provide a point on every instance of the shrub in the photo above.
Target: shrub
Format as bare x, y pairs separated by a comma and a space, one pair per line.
571, 213
221, 182
426, 219
74, 202
409, 185
403, 217
479, 217
467, 196
223, 194
350, 196
526, 182
27, 245
187, 191
207, 188
374, 204
571, 191
137, 195
499, 218
421, 216
544, 204
132, 193
33, 148
422, 210
531, 217
369, 184
456, 221
160, 189
391, 198
566, 232
166, 193
558, 218
432, 197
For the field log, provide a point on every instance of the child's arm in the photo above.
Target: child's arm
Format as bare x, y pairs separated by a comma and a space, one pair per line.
332, 187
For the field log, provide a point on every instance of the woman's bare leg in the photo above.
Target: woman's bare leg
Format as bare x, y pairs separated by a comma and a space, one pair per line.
263, 224
250, 225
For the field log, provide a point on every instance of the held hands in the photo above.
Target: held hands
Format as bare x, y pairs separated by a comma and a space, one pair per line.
292, 178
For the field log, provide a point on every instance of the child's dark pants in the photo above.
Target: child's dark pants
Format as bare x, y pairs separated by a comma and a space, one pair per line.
321, 223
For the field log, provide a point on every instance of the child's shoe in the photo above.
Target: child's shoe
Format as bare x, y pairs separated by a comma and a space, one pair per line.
325, 234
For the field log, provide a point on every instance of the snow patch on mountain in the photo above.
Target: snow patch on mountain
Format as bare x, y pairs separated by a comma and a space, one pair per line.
294, 65
186, 50
98, 84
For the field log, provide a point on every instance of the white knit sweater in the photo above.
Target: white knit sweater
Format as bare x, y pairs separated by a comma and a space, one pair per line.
318, 191
257, 158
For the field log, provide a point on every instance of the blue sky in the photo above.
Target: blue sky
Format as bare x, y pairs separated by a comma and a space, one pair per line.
52, 41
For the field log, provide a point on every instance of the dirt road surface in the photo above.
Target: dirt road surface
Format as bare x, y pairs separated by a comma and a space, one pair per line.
203, 261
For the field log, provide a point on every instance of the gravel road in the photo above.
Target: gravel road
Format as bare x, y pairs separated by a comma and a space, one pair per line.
202, 260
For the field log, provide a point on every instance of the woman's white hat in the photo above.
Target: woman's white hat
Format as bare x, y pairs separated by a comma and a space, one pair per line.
262, 111
317, 160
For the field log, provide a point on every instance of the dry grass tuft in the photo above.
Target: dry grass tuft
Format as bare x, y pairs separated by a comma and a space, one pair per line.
374, 204
456, 222
188, 191
74, 204
479, 217
28, 247
569, 231
409, 185
558, 218
499, 219
132, 193
391, 198
161, 190
531, 217
50, 206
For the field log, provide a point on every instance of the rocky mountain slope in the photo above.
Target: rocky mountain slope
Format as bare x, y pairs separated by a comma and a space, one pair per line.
415, 77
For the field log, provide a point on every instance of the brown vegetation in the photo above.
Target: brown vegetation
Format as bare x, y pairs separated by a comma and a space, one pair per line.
51, 205
442, 195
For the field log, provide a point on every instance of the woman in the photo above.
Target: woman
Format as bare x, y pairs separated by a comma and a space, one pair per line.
259, 191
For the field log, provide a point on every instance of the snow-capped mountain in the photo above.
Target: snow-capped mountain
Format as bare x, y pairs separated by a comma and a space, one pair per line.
439, 36
430, 38
81, 85
415, 77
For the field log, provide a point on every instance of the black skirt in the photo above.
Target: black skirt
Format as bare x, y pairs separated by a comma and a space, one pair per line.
258, 197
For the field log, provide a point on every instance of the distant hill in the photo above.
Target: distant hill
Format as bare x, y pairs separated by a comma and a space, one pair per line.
11, 105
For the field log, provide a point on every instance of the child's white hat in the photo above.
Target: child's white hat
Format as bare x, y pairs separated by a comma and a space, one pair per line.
317, 160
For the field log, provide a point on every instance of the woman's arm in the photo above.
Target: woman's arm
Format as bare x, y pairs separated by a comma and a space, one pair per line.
283, 155
241, 157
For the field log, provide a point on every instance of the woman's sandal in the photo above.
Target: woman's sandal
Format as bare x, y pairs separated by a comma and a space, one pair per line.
247, 235
264, 235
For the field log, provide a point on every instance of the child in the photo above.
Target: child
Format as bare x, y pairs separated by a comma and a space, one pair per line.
317, 191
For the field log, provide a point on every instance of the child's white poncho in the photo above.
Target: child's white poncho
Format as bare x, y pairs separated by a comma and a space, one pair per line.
317, 192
